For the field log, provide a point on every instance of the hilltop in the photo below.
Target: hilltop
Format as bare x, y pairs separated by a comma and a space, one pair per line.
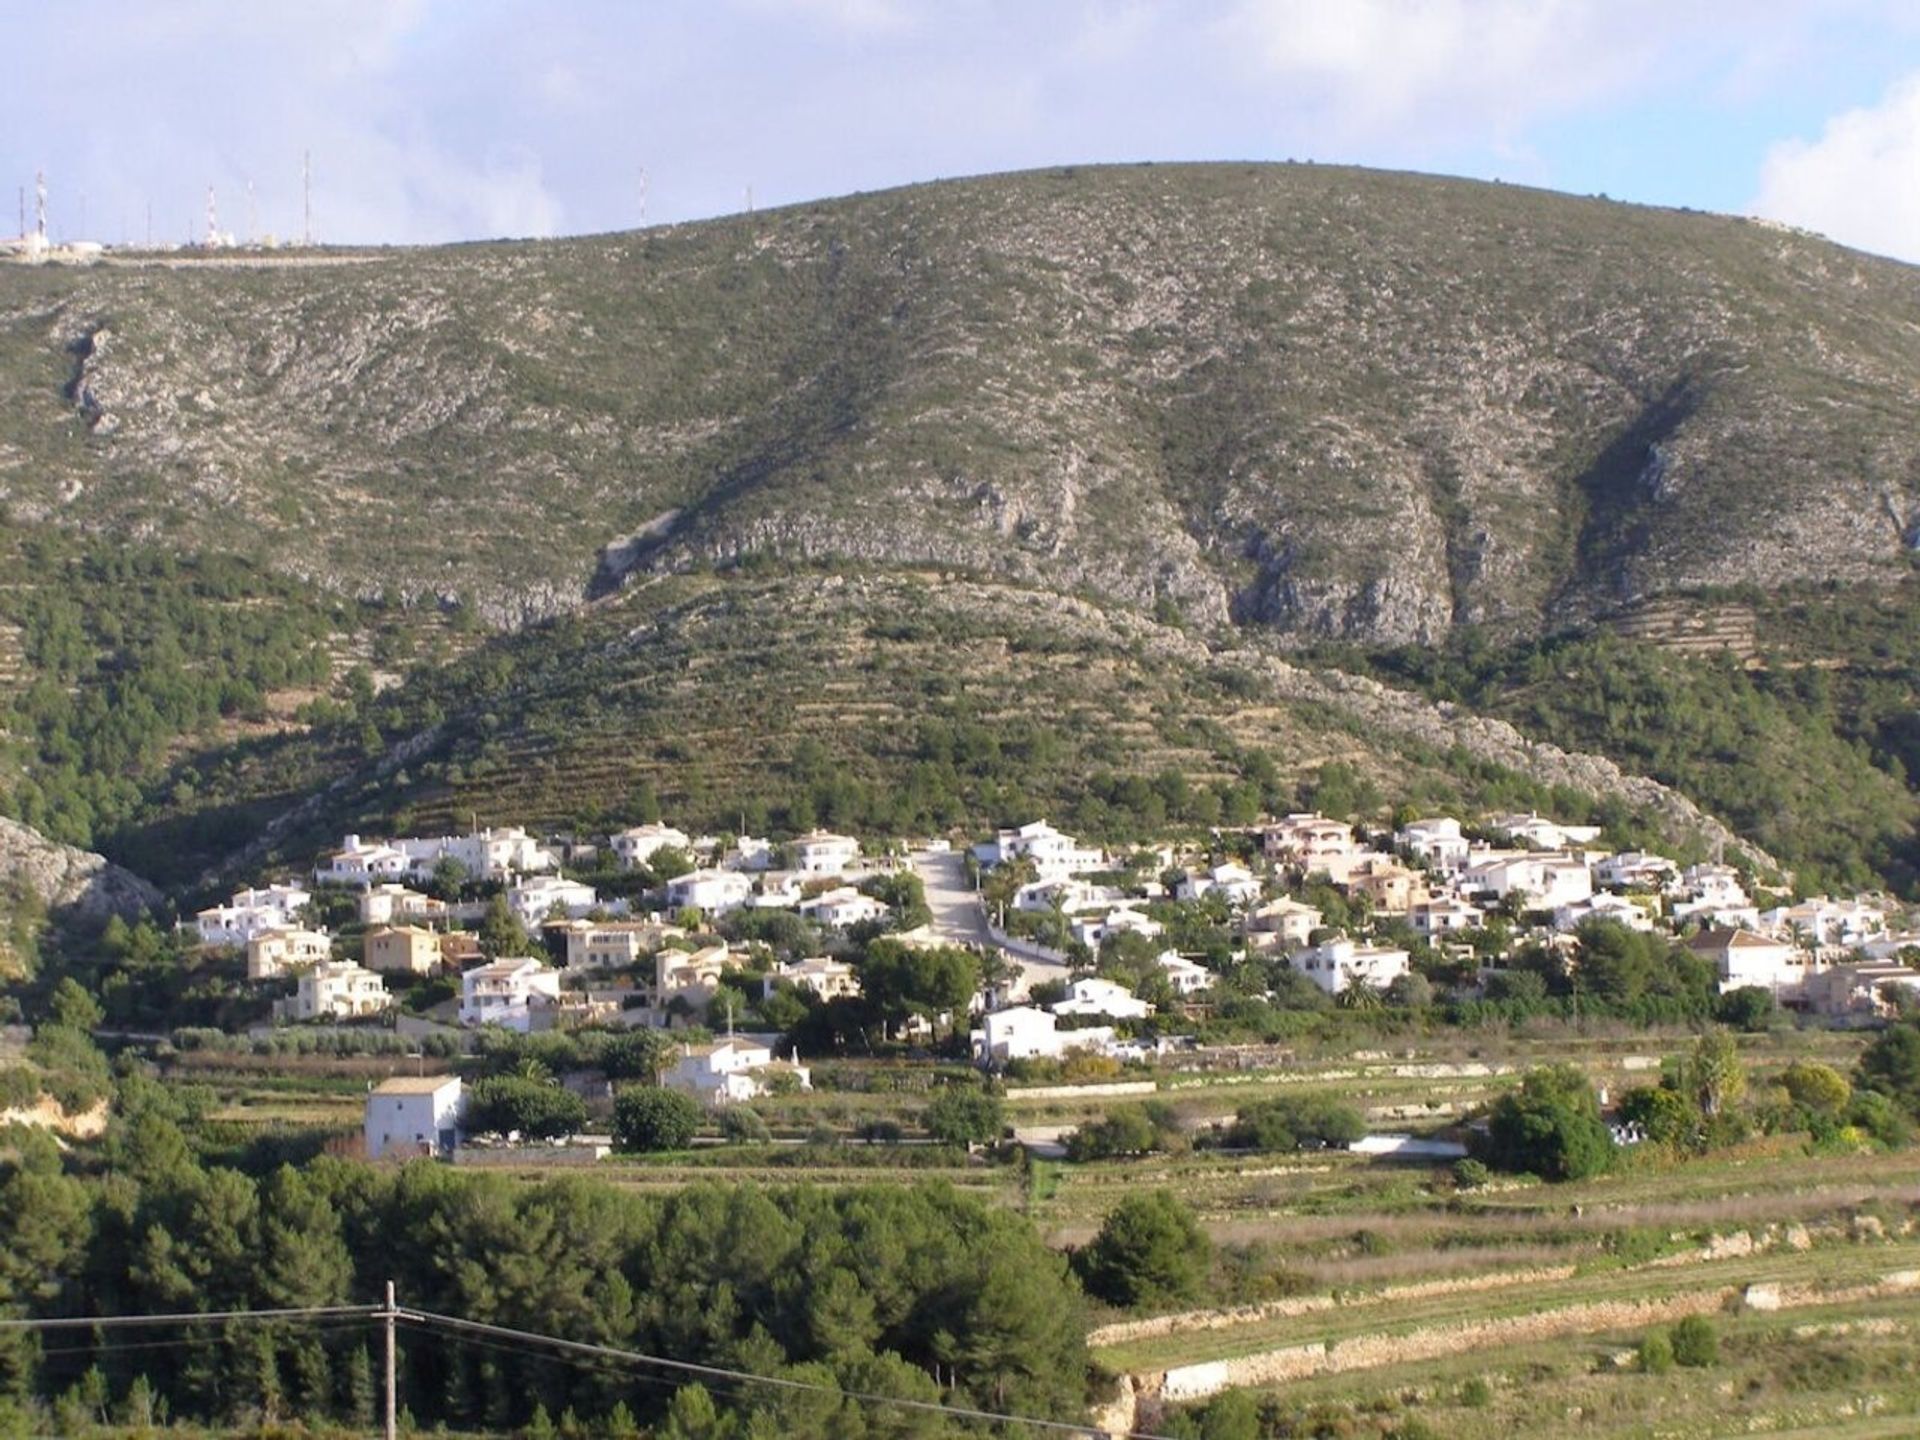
1079, 457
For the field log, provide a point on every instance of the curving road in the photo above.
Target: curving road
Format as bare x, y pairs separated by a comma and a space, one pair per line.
960, 919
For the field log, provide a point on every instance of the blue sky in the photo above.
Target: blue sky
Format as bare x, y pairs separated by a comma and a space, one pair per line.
435, 120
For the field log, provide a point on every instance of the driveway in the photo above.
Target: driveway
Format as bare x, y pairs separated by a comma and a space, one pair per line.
960, 919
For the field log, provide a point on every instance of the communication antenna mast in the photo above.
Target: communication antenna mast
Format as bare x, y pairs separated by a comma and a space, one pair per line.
23, 212
213, 221
306, 197
40, 205
643, 197
749, 198
253, 227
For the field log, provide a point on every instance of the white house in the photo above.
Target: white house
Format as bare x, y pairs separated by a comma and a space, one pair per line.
1187, 977
1602, 907
1538, 833
729, 1070
485, 854
394, 904
1283, 924
1025, 1033
1860, 990
637, 845
1821, 921
843, 907
820, 852
828, 978
1067, 896
272, 907
336, 990
1711, 887
1437, 843
1635, 870
1091, 995
1444, 915
1055, 855
1742, 958
692, 975
532, 901
414, 1115
361, 863
1091, 930
1547, 880
1340, 963
748, 852
1235, 884
502, 992
713, 891
273, 953
613, 944
1308, 841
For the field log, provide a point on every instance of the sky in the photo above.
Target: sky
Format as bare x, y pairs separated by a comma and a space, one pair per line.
441, 120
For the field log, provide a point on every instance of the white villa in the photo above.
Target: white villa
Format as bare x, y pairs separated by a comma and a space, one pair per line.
842, 907
1548, 880
1603, 906
1860, 990
820, 852
273, 953
1024, 1033
1055, 855
247, 914
503, 992
485, 854
1538, 833
410, 1116
1093, 996
1821, 921
729, 1070
1437, 843
1308, 841
1282, 924
1235, 884
1090, 930
1743, 958
395, 904
636, 846
361, 864
532, 901
1187, 977
713, 891
1338, 964
335, 990
1636, 870
1067, 896
1444, 915
613, 944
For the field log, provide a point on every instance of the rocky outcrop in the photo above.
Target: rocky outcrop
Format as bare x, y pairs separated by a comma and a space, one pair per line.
70, 881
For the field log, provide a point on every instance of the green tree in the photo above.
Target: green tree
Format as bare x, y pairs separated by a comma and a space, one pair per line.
1150, 1250
1815, 1087
72, 1006
1696, 1342
1715, 1074
501, 933
1550, 1126
1891, 1066
964, 1117
646, 1117
538, 1110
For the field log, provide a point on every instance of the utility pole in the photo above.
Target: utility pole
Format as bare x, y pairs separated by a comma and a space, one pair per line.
388, 1316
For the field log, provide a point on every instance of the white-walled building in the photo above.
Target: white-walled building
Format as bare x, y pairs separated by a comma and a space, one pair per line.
394, 904
247, 914
1187, 977
1232, 882
1742, 958
336, 990
614, 944
1282, 924
714, 891
496, 854
1026, 1033
1437, 843
636, 846
820, 852
362, 863
828, 978
410, 1116
1636, 870
1055, 855
532, 901
273, 953
503, 992
1538, 833
730, 1070
1067, 896
844, 907
1308, 841
1860, 990
1337, 964
1548, 880
1091, 995
1091, 930
1821, 921
1444, 915
1603, 906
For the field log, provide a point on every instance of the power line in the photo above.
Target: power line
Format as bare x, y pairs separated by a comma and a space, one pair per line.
196, 1317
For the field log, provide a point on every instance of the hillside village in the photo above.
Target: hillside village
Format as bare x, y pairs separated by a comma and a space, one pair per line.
738, 951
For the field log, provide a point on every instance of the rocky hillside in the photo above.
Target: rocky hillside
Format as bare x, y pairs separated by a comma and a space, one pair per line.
1322, 401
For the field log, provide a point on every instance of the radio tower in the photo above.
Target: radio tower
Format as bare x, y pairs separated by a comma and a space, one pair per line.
306, 197
213, 221
643, 197
37, 242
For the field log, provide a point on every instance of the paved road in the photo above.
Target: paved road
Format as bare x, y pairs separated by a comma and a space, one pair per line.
960, 919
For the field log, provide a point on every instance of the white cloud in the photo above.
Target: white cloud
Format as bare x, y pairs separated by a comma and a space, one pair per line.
1446, 66
1859, 182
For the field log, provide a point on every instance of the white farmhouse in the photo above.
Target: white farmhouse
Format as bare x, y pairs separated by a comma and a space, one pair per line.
1539, 833
820, 852
1187, 977
636, 846
1340, 963
414, 1115
730, 1070
843, 907
1092, 995
714, 891
504, 992
1742, 958
1026, 1033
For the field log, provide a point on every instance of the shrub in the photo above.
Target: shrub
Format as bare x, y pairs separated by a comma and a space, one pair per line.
964, 1117
1296, 1121
647, 1118
1471, 1174
1550, 1127
1656, 1353
742, 1125
538, 1110
1126, 1131
1476, 1394
1150, 1250
1696, 1342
